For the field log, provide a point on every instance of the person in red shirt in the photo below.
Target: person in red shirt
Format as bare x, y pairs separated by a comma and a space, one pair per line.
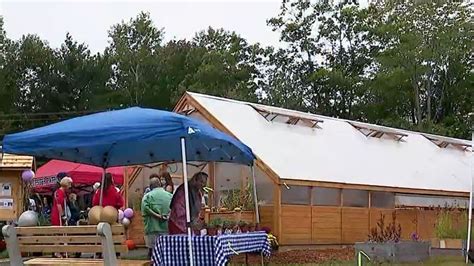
110, 197
177, 219
58, 210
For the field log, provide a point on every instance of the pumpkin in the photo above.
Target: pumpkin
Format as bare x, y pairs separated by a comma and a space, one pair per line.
130, 244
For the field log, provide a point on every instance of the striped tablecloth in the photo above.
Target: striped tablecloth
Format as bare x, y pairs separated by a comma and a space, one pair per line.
207, 250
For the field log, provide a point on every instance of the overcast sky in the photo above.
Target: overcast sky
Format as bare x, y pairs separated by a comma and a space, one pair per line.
88, 21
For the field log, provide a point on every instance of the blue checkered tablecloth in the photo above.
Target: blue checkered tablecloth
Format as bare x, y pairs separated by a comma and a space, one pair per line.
207, 250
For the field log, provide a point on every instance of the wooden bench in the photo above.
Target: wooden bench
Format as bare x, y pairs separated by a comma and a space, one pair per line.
102, 238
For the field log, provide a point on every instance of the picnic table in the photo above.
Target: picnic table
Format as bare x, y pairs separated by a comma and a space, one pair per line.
208, 250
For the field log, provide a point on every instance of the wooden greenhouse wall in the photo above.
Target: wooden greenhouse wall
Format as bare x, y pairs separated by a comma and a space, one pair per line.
303, 225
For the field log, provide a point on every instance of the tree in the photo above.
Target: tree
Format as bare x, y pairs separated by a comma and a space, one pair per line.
135, 65
328, 54
222, 63
425, 64
79, 77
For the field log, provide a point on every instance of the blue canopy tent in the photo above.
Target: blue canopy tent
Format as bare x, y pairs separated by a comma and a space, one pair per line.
129, 137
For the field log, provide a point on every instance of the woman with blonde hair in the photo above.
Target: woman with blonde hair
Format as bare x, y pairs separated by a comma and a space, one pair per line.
58, 210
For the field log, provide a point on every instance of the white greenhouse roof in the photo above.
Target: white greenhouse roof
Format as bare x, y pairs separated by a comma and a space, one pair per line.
303, 146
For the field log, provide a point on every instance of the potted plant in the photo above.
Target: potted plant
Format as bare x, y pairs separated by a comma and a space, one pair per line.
229, 226
384, 244
213, 226
243, 226
225, 225
251, 227
196, 228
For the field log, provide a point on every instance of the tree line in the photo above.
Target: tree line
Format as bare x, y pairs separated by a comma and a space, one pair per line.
401, 63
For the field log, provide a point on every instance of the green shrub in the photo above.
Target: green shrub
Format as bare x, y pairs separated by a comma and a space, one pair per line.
445, 228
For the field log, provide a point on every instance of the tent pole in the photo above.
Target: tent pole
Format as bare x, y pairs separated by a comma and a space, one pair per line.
186, 195
102, 187
255, 199
469, 223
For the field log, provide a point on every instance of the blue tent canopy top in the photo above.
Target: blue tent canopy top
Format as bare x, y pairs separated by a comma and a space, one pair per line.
127, 137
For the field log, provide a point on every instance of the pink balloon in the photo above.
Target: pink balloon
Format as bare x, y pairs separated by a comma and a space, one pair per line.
128, 213
120, 215
27, 175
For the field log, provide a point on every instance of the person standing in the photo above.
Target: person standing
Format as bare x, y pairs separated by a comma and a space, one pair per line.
155, 210
177, 219
167, 182
110, 197
148, 189
58, 210
74, 208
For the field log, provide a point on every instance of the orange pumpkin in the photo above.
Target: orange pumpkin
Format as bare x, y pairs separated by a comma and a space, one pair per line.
130, 244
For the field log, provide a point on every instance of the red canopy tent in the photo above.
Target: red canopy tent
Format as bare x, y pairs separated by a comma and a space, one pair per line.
81, 174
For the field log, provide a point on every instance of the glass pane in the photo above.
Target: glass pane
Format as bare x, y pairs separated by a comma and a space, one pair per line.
227, 180
265, 188
413, 200
326, 196
355, 198
382, 199
295, 195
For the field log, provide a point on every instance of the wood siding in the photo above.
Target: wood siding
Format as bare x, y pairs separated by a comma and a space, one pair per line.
295, 224
326, 225
305, 225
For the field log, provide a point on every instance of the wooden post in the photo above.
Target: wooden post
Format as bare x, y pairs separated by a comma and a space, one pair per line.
341, 205
9, 233
277, 210
105, 232
126, 184
212, 183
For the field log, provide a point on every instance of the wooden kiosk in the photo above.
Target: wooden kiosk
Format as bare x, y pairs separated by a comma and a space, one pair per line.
12, 188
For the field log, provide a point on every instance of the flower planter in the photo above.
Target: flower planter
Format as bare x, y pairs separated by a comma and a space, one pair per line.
435, 243
452, 243
404, 251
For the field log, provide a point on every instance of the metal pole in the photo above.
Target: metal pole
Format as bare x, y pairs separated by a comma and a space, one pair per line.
186, 197
255, 199
469, 223
102, 187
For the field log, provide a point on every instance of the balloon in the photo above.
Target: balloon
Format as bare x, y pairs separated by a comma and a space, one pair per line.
28, 218
120, 215
27, 175
128, 213
109, 215
126, 222
94, 214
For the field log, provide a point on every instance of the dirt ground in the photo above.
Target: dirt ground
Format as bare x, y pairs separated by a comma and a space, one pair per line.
301, 256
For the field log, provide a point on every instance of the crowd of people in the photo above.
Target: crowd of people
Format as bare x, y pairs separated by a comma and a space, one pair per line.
163, 208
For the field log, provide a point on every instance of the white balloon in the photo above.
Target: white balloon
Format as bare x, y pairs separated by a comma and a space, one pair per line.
28, 218
126, 222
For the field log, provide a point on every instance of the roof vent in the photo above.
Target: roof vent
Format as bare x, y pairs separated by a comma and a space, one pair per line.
444, 142
378, 131
287, 118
